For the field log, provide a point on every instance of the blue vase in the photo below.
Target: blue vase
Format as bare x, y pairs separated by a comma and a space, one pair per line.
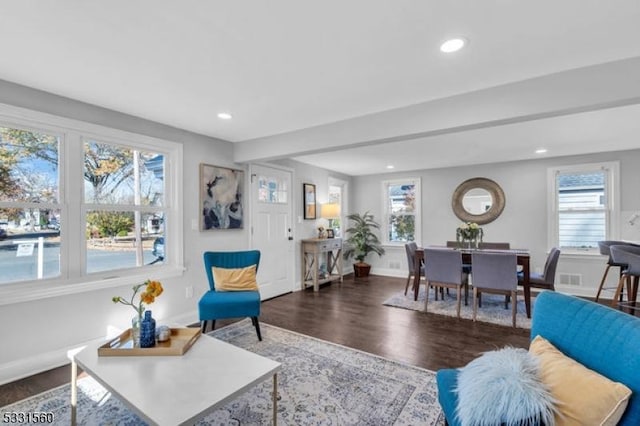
147, 331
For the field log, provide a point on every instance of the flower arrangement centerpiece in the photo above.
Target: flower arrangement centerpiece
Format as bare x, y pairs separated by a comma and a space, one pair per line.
469, 233
152, 289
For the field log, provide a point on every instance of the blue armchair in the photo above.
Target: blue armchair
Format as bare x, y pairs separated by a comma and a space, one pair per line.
215, 305
600, 338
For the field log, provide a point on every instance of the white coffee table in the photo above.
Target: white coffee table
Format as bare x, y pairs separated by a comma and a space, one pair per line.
176, 390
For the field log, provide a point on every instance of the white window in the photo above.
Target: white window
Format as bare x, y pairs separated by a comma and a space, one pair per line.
272, 190
401, 210
335, 196
123, 207
29, 204
584, 204
81, 203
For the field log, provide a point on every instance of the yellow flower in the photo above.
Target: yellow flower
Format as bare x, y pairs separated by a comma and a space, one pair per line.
152, 290
147, 298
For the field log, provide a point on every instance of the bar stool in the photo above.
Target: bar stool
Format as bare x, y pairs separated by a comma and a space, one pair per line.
605, 250
629, 256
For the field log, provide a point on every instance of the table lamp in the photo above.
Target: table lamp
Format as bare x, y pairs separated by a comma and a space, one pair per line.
330, 211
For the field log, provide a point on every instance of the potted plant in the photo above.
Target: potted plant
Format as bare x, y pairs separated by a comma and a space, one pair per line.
361, 241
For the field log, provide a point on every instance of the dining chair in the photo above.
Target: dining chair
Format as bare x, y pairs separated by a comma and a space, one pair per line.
605, 249
410, 249
546, 280
443, 269
216, 304
454, 244
494, 246
628, 255
495, 273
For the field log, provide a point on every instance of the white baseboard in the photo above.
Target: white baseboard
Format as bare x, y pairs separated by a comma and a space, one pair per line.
19, 369
25, 367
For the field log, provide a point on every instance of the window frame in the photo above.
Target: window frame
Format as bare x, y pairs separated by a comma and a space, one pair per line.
612, 205
73, 278
384, 225
344, 202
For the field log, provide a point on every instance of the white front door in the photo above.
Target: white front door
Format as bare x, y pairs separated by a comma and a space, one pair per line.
271, 229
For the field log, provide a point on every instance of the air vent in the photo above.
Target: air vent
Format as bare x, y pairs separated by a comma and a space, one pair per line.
394, 265
570, 279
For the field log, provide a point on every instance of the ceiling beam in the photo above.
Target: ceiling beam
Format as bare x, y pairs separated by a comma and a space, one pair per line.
580, 90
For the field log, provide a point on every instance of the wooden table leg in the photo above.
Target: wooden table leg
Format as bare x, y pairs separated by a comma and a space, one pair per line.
526, 286
417, 262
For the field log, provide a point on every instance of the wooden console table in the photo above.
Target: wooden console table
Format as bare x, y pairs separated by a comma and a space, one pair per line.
313, 251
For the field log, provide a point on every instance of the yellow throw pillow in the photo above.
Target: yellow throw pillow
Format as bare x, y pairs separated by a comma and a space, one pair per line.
583, 396
237, 279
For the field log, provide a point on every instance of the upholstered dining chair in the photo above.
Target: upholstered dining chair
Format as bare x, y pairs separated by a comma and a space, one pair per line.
628, 255
410, 249
443, 269
547, 279
465, 267
236, 293
495, 273
605, 249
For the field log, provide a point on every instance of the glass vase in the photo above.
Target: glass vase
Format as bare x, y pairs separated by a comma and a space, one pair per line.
135, 330
471, 244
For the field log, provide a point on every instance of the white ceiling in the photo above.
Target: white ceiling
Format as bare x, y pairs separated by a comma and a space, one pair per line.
294, 68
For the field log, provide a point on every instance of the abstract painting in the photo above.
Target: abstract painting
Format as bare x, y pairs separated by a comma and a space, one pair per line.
221, 198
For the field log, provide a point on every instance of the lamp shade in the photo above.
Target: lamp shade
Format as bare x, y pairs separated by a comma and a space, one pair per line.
330, 210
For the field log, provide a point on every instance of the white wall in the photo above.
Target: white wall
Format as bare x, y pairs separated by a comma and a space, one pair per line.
523, 222
35, 335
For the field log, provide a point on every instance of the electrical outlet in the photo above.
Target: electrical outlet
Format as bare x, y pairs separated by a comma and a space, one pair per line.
188, 291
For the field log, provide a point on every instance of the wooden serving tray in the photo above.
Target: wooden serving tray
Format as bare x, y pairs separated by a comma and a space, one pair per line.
181, 340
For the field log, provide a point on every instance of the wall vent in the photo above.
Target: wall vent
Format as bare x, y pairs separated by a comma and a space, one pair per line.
394, 265
570, 279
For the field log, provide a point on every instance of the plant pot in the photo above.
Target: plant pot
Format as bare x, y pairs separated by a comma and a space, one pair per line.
361, 269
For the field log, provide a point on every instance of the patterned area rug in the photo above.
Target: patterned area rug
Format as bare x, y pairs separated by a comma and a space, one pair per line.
492, 309
320, 384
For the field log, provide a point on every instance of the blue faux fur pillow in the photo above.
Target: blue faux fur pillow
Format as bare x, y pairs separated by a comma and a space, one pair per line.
503, 387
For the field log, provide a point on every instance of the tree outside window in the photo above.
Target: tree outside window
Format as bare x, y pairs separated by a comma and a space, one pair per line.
124, 209
401, 209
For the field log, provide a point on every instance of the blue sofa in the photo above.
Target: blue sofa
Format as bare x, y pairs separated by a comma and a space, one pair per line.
598, 337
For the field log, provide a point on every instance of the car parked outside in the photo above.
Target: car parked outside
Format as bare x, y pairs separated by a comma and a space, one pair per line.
158, 247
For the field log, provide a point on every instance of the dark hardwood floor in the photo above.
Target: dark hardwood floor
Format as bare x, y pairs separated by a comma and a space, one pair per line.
352, 314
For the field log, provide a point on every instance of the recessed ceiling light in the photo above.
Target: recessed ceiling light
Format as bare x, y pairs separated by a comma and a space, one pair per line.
541, 150
225, 116
453, 45
390, 166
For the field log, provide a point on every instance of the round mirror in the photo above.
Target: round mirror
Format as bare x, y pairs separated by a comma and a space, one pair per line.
478, 200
